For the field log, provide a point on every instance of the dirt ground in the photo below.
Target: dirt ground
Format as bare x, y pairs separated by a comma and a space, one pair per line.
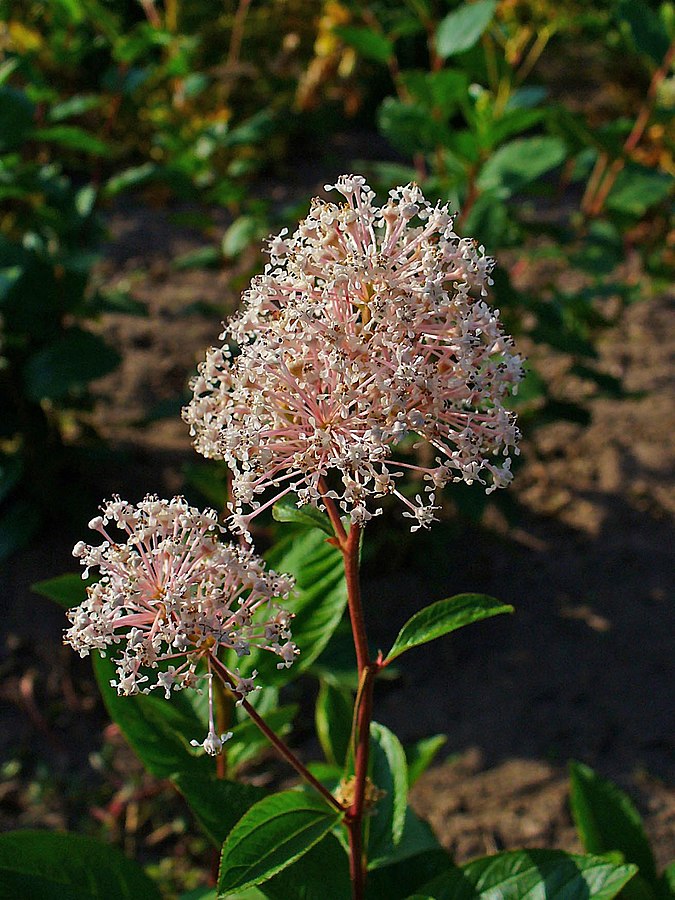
583, 670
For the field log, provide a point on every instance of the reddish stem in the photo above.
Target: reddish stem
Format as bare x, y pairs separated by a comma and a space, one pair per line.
273, 738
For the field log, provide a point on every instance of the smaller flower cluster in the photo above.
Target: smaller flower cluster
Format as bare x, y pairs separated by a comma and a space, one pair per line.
171, 595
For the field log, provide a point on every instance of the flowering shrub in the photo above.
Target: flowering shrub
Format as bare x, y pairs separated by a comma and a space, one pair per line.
366, 326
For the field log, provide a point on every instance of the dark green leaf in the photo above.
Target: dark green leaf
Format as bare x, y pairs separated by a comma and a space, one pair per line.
420, 755
388, 772
321, 874
666, 885
443, 617
368, 43
216, 803
520, 162
462, 28
442, 91
333, 717
36, 865
646, 30
66, 590
396, 881
16, 118
18, 523
202, 258
271, 835
409, 128
11, 471
318, 601
158, 730
607, 820
535, 874
68, 365
73, 138
287, 510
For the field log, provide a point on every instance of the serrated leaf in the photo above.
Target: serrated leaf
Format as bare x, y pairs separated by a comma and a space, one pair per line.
520, 162
35, 865
389, 773
321, 874
606, 819
368, 43
461, 29
67, 590
217, 804
419, 756
333, 718
287, 510
444, 617
271, 835
531, 874
68, 365
318, 601
158, 730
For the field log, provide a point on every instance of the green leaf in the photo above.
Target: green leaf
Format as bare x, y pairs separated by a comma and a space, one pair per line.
68, 364
333, 717
19, 523
440, 91
73, 106
531, 874
409, 128
443, 617
666, 884
636, 189
217, 804
318, 601
321, 874
389, 773
420, 755
368, 43
202, 258
607, 820
36, 865
73, 138
67, 590
243, 232
129, 178
271, 835
461, 29
248, 742
646, 30
287, 510
520, 162
158, 730
396, 881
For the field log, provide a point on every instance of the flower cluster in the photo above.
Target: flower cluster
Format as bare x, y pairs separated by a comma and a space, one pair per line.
368, 326
171, 594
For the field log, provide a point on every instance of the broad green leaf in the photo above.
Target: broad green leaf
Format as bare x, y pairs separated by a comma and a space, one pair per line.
271, 835
531, 874
389, 773
666, 884
441, 91
396, 881
243, 232
462, 28
36, 865
636, 189
321, 874
443, 617
68, 365
248, 742
420, 755
606, 819
368, 43
417, 839
287, 510
520, 162
217, 804
158, 730
318, 601
333, 718
73, 138
67, 590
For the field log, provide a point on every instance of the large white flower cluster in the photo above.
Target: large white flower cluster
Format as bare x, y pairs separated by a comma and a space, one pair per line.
368, 326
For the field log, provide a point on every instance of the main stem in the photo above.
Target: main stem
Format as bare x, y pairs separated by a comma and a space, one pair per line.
350, 544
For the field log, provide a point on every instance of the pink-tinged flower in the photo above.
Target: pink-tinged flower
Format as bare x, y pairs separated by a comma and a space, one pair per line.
368, 327
171, 595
